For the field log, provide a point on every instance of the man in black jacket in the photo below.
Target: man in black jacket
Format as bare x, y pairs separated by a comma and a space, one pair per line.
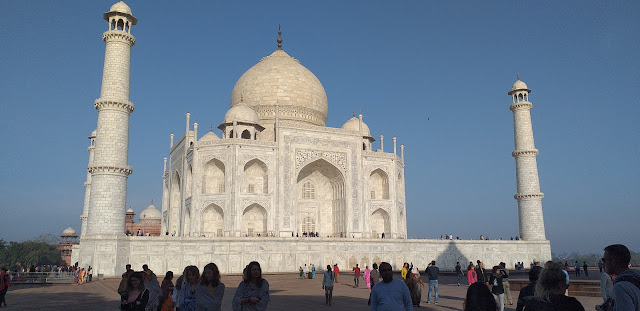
527, 292
432, 273
482, 276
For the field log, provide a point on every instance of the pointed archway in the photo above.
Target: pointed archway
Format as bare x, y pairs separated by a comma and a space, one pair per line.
254, 220
212, 221
320, 190
174, 207
380, 223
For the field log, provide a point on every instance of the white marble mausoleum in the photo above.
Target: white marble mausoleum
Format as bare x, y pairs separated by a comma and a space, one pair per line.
272, 172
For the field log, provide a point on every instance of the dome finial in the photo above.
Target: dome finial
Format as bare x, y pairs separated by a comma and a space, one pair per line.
211, 127
354, 113
279, 38
518, 76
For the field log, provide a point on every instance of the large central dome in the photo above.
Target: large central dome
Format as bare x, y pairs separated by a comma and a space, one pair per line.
281, 79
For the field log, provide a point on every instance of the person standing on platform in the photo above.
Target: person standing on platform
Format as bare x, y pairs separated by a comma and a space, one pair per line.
313, 271
585, 267
327, 285
375, 279
356, 276
576, 266
390, 294
600, 265
304, 271
459, 272
472, 276
336, 272
497, 287
432, 273
505, 283
404, 270
481, 274
367, 277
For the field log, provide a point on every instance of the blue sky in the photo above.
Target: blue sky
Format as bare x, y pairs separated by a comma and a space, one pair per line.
396, 62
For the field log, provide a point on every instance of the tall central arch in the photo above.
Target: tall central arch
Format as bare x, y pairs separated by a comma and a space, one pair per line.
320, 192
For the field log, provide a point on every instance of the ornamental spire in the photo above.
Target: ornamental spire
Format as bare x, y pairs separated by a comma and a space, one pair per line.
279, 38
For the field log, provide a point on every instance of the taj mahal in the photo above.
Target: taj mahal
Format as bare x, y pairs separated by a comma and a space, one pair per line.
273, 172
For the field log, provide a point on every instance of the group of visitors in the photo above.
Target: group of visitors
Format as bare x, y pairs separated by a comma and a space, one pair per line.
303, 272
192, 291
487, 291
84, 275
548, 286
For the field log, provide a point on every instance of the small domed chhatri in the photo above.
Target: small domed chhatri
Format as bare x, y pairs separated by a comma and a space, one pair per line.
519, 86
241, 114
353, 124
121, 7
69, 232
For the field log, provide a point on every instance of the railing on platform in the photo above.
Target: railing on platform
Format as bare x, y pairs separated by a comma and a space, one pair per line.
43, 277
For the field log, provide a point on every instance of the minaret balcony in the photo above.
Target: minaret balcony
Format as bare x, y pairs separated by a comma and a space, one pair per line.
528, 196
516, 153
118, 35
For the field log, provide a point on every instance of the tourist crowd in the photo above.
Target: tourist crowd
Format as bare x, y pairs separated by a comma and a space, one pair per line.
489, 289
192, 291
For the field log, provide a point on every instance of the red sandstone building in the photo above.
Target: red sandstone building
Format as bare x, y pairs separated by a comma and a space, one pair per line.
69, 239
148, 222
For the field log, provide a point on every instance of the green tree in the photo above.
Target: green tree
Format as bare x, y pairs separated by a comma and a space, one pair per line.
28, 253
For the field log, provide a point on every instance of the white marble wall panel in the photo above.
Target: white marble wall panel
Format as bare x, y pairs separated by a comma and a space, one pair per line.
287, 254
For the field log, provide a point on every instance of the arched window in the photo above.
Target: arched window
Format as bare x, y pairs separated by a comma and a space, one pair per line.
364, 146
379, 185
120, 24
246, 134
214, 177
308, 191
256, 179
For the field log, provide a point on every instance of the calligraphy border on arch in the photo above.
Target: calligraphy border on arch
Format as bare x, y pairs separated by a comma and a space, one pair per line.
304, 156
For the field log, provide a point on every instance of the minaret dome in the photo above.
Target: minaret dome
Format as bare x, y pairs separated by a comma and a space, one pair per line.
519, 91
120, 17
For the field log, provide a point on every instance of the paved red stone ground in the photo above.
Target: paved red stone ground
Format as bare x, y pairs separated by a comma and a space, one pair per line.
287, 293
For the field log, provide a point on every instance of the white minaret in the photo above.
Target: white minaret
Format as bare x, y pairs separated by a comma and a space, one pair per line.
110, 169
87, 186
529, 196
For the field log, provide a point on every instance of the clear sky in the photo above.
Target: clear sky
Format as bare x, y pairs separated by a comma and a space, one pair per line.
433, 73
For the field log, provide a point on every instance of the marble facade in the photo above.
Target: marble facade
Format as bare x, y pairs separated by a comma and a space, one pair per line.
275, 171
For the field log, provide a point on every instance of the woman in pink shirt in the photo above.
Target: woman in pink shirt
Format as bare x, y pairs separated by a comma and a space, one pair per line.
472, 276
